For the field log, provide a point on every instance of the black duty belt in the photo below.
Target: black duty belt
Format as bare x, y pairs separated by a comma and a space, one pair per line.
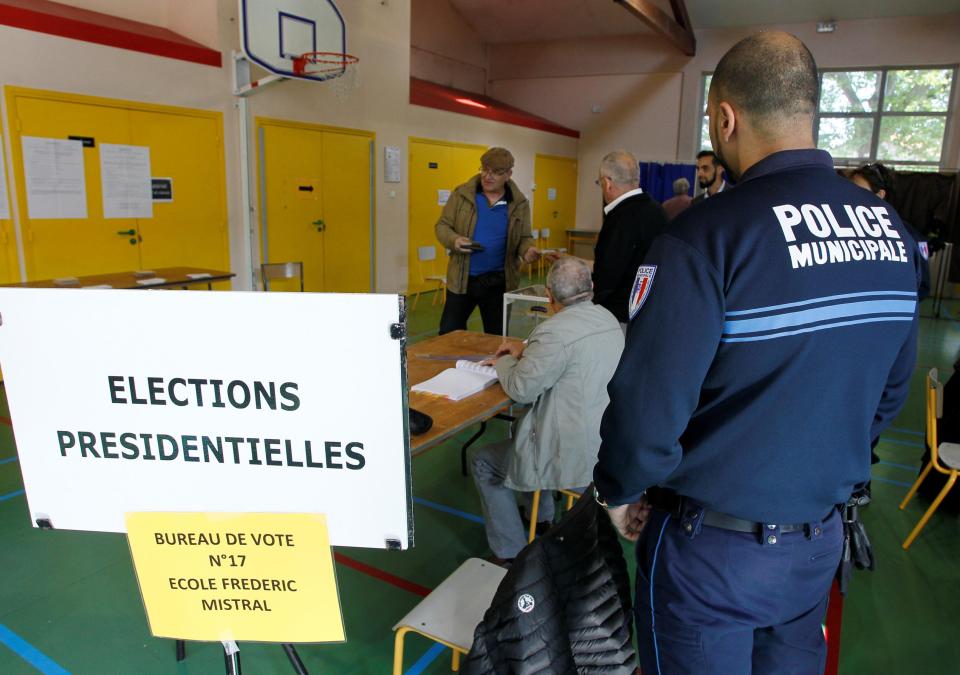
674, 504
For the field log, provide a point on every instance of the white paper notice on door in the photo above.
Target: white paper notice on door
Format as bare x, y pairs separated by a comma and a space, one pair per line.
126, 179
443, 196
4, 201
56, 186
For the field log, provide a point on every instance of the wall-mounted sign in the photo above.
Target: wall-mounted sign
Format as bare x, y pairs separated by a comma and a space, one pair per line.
162, 189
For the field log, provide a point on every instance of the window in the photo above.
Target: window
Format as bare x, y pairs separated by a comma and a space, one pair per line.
894, 115
705, 121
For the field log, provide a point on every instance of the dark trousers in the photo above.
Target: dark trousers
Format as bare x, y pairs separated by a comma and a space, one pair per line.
723, 602
485, 291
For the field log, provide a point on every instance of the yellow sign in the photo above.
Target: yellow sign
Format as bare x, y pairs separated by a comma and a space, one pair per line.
265, 577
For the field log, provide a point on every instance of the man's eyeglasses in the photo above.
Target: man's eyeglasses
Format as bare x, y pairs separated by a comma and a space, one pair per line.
493, 172
599, 181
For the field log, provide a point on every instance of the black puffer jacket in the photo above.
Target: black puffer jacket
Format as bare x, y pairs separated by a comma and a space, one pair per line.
564, 606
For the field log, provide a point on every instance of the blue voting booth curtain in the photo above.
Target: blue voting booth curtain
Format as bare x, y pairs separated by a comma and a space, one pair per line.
657, 179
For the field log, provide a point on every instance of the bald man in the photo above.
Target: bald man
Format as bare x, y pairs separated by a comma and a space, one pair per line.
766, 351
631, 220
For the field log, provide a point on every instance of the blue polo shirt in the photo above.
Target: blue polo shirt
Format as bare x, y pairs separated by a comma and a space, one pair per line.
768, 350
491, 231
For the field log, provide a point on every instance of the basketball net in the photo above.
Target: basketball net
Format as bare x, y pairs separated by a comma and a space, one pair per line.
339, 70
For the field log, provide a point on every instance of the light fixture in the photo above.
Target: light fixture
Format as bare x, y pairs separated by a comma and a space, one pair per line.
826, 26
470, 102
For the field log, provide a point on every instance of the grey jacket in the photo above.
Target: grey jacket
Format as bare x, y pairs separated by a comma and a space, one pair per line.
563, 372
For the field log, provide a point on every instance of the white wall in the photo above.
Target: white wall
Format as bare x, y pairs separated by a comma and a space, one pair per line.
444, 47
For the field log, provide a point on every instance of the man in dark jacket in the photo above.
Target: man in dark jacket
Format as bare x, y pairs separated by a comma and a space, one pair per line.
631, 220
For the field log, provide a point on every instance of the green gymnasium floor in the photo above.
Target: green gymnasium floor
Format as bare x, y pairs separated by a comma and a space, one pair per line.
69, 601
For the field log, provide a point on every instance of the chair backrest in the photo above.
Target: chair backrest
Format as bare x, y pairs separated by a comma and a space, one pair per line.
934, 406
285, 270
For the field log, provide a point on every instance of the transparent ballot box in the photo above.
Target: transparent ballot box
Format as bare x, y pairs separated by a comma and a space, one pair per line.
524, 309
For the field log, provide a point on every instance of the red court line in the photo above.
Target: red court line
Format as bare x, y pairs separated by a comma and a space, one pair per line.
377, 573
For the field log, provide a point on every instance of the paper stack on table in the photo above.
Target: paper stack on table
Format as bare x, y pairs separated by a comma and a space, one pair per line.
467, 379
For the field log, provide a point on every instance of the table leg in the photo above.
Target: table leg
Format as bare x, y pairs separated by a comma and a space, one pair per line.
470, 441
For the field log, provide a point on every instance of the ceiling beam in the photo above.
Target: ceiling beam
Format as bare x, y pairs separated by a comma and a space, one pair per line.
676, 30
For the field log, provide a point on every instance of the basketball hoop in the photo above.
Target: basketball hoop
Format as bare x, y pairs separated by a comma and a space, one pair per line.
324, 65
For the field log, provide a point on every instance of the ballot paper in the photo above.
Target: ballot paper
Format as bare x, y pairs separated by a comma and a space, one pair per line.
467, 379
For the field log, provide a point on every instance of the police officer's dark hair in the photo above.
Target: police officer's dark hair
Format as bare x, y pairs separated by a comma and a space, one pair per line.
771, 77
878, 177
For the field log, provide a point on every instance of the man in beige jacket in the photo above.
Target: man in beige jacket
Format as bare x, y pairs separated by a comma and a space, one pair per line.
562, 370
485, 225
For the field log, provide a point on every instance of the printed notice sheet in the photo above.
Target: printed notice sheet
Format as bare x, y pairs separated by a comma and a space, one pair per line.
4, 202
56, 186
127, 184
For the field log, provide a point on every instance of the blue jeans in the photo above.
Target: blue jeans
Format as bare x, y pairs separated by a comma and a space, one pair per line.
505, 531
723, 602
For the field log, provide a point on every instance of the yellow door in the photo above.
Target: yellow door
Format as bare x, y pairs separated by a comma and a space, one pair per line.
293, 202
9, 265
75, 246
555, 199
316, 204
347, 208
436, 167
185, 145
191, 229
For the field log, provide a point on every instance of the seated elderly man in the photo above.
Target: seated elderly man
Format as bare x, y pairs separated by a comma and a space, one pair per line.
563, 370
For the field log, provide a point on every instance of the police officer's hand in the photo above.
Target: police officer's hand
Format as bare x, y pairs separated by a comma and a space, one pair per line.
532, 254
460, 242
629, 519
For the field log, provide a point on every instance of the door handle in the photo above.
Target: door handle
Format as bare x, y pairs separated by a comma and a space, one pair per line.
321, 226
127, 233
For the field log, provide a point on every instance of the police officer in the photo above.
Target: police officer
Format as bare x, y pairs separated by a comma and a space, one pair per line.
764, 354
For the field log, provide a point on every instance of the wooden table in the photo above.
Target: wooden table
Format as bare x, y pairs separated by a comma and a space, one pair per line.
172, 277
575, 237
452, 417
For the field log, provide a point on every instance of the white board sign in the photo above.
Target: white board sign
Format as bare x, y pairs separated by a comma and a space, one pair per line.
127, 184
391, 164
55, 179
128, 401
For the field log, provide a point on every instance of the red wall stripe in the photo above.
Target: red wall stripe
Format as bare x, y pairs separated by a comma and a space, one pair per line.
432, 95
53, 18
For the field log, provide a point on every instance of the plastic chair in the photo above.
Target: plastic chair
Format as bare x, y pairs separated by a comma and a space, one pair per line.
545, 232
426, 260
285, 270
535, 234
452, 611
535, 509
945, 458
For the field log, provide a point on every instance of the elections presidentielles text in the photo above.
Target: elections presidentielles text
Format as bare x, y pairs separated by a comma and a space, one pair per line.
203, 393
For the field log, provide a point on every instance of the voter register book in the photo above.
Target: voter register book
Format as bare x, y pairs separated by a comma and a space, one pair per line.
467, 379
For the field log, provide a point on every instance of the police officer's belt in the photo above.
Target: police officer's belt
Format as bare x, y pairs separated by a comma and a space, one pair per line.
674, 504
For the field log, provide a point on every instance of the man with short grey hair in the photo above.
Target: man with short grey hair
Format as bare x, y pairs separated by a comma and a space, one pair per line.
680, 200
562, 370
631, 220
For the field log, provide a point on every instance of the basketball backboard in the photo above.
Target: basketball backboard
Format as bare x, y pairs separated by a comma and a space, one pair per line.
276, 32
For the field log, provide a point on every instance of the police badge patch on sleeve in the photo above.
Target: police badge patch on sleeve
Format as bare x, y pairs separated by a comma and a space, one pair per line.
924, 250
641, 288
